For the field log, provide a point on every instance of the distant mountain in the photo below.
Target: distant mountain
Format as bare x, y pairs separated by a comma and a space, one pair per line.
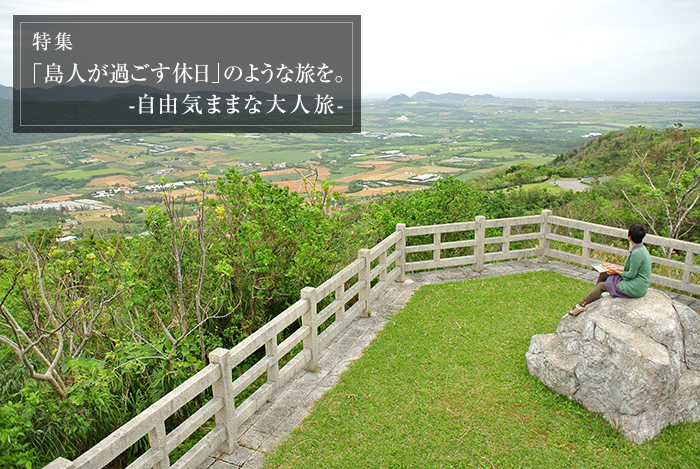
5, 92
7, 137
399, 98
461, 97
423, 96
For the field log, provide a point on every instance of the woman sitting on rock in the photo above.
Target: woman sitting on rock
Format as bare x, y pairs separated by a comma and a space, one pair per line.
632, 281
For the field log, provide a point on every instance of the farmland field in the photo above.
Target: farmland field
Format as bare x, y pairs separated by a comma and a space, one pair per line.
399, 142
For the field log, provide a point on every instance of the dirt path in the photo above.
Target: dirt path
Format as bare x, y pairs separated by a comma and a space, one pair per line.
576, 186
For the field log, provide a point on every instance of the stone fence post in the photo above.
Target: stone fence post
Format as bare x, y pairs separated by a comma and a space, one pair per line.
309, 318
401, 247
223, 388
689, 261
545, 229
480, 237
363, 276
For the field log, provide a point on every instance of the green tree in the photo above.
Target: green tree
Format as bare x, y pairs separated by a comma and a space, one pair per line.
54, 301
666, 197
447, 201
272, 243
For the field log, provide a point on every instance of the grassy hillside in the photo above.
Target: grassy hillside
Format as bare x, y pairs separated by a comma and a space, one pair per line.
638, 174
615, 153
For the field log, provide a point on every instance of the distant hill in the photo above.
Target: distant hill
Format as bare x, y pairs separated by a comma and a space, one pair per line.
5, 92
424, 96
399, 98
7, 137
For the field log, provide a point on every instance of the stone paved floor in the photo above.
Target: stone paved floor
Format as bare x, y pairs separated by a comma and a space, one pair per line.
271, 424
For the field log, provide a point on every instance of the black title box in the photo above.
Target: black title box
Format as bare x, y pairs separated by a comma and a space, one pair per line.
104, 74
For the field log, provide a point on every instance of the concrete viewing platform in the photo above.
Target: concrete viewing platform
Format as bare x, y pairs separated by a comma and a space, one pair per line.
285, 410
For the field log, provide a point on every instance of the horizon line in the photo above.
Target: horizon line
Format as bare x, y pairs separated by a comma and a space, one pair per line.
545, 95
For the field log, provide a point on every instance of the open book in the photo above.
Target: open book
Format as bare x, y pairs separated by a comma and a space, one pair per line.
603, 267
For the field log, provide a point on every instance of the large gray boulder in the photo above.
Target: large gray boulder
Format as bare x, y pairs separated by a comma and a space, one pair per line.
635, 361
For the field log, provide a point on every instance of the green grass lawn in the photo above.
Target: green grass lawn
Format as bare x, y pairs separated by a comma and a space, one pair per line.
445, 384
470, 175
544, 185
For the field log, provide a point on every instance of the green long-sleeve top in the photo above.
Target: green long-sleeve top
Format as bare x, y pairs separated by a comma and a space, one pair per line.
637, 273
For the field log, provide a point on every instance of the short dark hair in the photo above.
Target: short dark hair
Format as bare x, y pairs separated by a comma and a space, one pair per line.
637, 232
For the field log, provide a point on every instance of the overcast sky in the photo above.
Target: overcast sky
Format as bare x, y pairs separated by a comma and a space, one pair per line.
628, 49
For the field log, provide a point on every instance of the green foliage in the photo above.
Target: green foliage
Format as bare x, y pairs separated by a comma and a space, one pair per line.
655, 180
595, 206
8, 137
271, 244
36, 427
12, 179
15, 430
524, 201
517, 175
355, 186
447, 201
263, 245
613, 153
52, 182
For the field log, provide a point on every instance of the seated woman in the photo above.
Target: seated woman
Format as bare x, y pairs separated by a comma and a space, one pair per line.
632, 281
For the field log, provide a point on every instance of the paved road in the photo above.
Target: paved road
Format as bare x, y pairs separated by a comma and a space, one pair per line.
576, 186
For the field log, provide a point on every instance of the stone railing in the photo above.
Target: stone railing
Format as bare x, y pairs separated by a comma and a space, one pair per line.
555, 238
311, 323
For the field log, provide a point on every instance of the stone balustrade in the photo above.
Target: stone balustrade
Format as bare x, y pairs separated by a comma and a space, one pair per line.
321, 313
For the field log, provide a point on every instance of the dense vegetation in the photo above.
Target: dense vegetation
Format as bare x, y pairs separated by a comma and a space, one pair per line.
95, 330
654, 177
